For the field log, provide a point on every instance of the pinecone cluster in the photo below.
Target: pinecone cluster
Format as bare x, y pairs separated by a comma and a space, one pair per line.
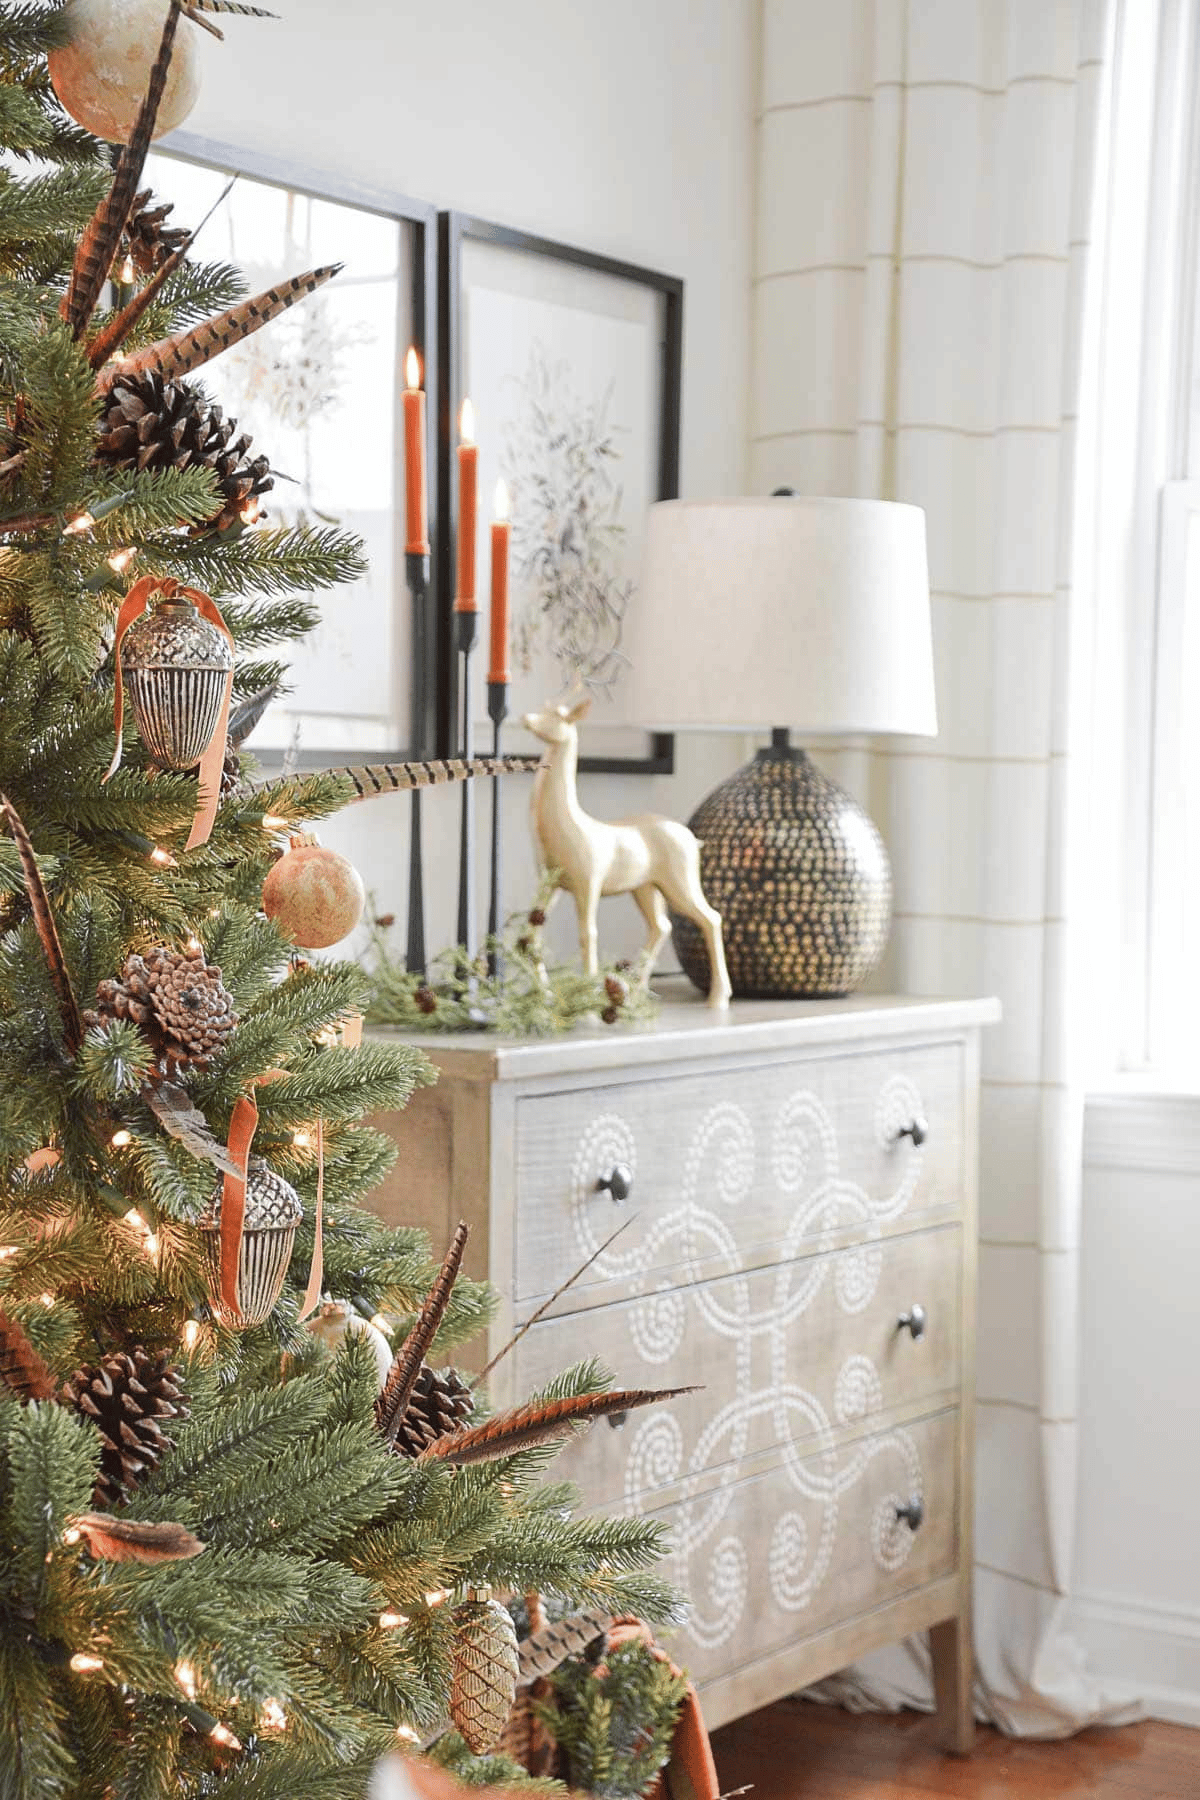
128, 1397
148, 240
177, 1001
441, 1402
149, 423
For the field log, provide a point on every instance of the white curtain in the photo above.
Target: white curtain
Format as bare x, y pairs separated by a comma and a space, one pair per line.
923, 332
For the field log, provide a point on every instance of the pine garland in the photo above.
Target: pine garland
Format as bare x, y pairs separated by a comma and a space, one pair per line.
509, 987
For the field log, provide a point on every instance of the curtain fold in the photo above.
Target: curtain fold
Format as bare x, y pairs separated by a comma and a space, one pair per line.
923, 332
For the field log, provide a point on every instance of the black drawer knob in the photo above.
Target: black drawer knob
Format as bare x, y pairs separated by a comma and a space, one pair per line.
914, 1320
916, 1129
913, 1514
618, 1182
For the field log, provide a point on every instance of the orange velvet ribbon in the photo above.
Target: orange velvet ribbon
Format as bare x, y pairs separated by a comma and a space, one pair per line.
132, 607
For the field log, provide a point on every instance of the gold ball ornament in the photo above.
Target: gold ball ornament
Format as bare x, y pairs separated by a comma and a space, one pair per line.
103, 70
314, 895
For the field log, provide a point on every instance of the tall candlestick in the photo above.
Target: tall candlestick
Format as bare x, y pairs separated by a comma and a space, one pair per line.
468, 481
416, 503
498, 661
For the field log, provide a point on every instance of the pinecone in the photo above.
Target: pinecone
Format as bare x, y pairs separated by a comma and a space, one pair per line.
127, 1396
440, 1403
231, 772
149, 423
484, 1682
148, 240
179, 1003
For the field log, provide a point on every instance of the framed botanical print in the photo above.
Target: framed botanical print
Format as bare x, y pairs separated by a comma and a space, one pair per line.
320, 393
572, 364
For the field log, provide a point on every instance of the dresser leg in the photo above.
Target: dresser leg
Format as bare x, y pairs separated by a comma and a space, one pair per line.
953, 1683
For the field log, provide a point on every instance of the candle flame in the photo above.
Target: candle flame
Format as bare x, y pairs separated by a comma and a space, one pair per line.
412, 368
500, 503
466, 423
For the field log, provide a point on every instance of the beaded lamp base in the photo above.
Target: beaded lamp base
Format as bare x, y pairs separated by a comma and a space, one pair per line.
800, 877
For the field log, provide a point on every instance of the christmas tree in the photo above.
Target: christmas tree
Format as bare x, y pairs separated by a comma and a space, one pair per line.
231, 1562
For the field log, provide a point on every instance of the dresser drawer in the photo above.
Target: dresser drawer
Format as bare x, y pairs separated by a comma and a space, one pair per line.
810, 1542
734, 1166
784, 1354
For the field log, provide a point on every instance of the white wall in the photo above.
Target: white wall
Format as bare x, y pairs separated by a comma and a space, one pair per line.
1136, 1601
620, 125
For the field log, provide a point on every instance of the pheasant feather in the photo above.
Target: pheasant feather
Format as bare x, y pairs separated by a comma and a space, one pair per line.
132, 1540
540, 1422
372, 779
107, 342
402, 1377
21, 1367
47, 931
98, 245
175, 356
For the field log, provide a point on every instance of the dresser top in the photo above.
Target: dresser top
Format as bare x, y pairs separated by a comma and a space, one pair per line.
685, 1027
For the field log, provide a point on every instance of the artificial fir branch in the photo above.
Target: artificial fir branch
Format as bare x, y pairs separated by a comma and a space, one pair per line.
47, 931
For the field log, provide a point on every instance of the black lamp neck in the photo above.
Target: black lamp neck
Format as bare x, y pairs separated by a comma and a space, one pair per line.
781, 738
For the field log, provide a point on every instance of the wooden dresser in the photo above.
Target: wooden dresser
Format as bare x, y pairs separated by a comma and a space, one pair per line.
801, 1185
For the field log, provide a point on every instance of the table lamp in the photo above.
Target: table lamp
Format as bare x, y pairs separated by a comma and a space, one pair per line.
785, 613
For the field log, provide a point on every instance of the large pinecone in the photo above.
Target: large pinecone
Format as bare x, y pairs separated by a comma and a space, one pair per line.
149, 423
440, 1402
148, 240
178, 1002
128, 1397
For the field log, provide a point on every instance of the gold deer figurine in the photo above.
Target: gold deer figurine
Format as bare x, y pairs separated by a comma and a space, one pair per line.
654, 859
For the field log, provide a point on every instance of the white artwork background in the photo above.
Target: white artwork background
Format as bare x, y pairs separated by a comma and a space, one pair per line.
317, 391
597, 358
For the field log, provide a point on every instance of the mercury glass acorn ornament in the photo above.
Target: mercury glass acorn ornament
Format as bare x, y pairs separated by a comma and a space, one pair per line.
175, 666
273, 1211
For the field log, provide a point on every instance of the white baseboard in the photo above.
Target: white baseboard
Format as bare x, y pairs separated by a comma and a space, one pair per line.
1153, 1649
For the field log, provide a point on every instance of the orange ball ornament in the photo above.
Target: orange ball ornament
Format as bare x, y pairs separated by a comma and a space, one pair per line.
315, 896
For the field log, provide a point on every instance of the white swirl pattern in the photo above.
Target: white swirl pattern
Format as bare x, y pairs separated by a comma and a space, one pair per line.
720, 1170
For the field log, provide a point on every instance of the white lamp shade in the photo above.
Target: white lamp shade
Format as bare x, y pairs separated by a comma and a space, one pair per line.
807, 613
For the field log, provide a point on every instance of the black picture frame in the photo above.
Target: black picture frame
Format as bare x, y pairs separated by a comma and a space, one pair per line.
454, 229
423, 217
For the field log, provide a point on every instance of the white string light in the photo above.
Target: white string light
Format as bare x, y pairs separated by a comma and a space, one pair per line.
163, 858
221, 1734
185, 1675
272, 1716
83, 1664
46, 1299
408, 1734
118, 1140
272, 822
388, 1621
191, 1333
78, 525
120, 560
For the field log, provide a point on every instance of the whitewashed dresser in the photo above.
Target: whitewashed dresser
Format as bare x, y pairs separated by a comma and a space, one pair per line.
801, 1188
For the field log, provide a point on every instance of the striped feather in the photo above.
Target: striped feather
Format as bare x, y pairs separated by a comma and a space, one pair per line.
543, 1651
133, 1540
372, 779
230, 6
107, 342
397, 1391
98, 245
22, 1368
539, 1422
175, 356
43, 918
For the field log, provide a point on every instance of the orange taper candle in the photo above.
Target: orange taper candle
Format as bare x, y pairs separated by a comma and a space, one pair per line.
468, 480
416, 504
498, 662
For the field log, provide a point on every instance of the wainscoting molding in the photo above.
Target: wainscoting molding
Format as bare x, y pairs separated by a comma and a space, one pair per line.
1156, 1649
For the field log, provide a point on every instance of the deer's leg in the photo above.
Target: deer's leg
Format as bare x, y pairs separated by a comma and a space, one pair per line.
654, 911
684, 893
587, 901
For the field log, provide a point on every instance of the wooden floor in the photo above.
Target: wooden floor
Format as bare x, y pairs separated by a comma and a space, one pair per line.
799, 1751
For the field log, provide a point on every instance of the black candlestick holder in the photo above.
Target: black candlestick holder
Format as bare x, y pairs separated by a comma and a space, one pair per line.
416, 568
465, 625
497, 713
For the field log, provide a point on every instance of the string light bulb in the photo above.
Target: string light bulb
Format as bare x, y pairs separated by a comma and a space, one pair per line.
118, 1140
163, 858
221, 1734
272, 822
83, 1664
302, 1140
120, 560
191, 1333
388, 1621
251, 512
185, 1675
408, 1734
72, 1534
78, 525
272, 1716
438, 1597
46, 1299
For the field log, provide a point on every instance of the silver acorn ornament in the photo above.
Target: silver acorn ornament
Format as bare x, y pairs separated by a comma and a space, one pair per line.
175, 666
272, 1213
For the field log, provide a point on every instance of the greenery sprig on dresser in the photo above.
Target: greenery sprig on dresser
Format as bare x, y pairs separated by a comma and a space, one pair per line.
509, 987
